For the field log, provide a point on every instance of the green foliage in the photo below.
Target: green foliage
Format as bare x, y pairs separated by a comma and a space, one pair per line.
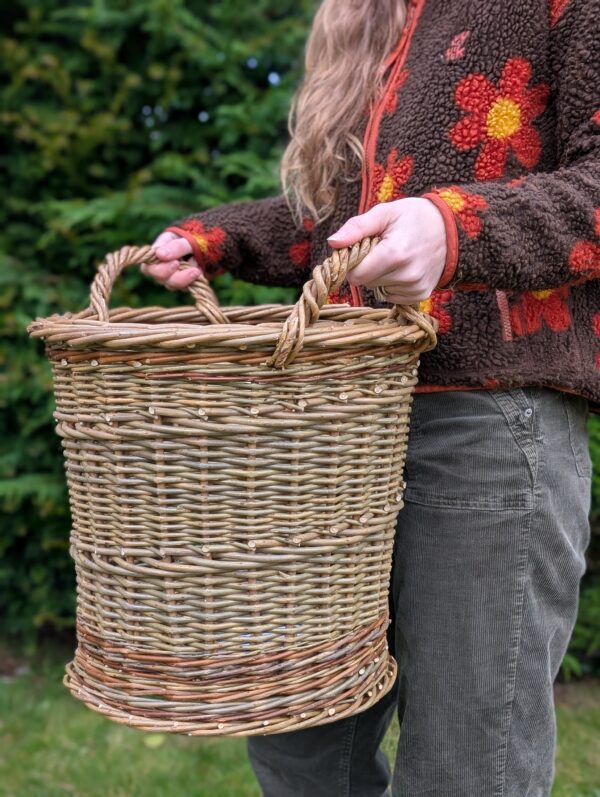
117, 117
594, 430
583, 657
53, 746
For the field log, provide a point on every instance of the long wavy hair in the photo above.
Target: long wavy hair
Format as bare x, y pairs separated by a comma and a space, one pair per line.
345, 53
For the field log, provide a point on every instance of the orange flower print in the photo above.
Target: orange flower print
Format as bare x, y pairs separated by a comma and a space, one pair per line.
596, 118
210, 242
393, 90
500, 117
389, 180
536, 308
343, 296
585, 255
557, 8
465, 207
491, 383
596, 328
300, 252
434, 306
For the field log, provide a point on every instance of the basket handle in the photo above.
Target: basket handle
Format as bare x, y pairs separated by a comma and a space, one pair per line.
114, 263
328, 277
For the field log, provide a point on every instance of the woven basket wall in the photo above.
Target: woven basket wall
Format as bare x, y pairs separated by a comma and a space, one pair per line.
234, 483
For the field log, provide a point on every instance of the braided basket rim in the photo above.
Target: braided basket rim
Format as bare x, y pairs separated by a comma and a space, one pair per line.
255, 327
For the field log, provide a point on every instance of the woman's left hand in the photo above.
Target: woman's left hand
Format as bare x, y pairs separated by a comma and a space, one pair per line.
410, 258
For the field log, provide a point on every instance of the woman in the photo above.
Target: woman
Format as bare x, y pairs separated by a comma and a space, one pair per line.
466, 135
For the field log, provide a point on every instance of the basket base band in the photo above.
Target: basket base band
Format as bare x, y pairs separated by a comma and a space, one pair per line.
233, 696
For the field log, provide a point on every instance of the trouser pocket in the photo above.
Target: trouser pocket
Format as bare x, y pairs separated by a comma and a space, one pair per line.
473, 449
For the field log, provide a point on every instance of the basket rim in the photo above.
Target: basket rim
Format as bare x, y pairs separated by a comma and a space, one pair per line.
252, 327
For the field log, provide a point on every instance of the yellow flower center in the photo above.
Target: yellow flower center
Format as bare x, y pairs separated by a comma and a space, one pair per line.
453, 199
504, 118
541, 295
425, 306
386, 189
202, 243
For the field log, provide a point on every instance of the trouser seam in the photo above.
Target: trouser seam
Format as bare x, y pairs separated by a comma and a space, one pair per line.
344, 781
528, 445
506, 724
524, 435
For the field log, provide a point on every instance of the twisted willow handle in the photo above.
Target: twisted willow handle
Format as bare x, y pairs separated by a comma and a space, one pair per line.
114, 263
326, 278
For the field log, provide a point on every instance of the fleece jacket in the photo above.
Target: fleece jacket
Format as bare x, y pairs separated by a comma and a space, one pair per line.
490, 109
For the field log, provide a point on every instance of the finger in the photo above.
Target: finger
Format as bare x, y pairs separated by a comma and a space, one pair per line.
182, 278
180, 247
160, 271
401, 278
373, 222
164, 238
404, 298
381, 261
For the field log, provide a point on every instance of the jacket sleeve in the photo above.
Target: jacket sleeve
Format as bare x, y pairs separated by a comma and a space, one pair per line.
256, 241
540, 231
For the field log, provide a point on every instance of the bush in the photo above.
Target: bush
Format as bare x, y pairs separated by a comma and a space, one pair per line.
118, 117
594, 430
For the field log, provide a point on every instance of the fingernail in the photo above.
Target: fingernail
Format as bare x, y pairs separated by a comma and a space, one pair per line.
162, 252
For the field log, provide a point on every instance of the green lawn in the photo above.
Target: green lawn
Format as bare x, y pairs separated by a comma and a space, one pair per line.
52, 746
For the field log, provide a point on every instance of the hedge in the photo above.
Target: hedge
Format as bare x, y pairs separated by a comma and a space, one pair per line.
117, 117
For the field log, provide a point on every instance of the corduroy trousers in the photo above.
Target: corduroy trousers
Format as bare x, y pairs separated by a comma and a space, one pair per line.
488, 557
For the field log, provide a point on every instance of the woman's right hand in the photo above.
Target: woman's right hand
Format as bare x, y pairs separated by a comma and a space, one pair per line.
170, 248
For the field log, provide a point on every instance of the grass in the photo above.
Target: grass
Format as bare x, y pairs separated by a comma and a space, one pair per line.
52, 746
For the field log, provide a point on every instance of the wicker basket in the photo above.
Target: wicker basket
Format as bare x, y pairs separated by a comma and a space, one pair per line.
234, 483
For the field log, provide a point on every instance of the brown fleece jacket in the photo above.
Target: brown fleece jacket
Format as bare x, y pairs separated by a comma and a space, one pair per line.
491, 109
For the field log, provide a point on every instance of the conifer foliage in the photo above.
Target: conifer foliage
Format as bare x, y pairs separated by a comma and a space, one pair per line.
116, 117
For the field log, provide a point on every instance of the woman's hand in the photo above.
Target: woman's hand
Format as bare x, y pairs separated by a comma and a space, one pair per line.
410, 258
169, 248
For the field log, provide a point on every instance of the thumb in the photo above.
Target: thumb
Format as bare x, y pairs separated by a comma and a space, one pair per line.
373, 222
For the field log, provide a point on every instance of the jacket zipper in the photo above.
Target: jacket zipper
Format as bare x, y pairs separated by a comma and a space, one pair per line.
503, 309
397, 60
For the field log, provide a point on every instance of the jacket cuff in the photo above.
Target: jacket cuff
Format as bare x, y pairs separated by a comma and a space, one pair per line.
196, 251
451, 263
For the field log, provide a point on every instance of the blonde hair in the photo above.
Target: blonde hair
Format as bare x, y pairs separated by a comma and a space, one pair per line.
345, 53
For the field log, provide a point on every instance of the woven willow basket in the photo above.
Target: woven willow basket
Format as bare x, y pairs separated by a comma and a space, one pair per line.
234, 483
